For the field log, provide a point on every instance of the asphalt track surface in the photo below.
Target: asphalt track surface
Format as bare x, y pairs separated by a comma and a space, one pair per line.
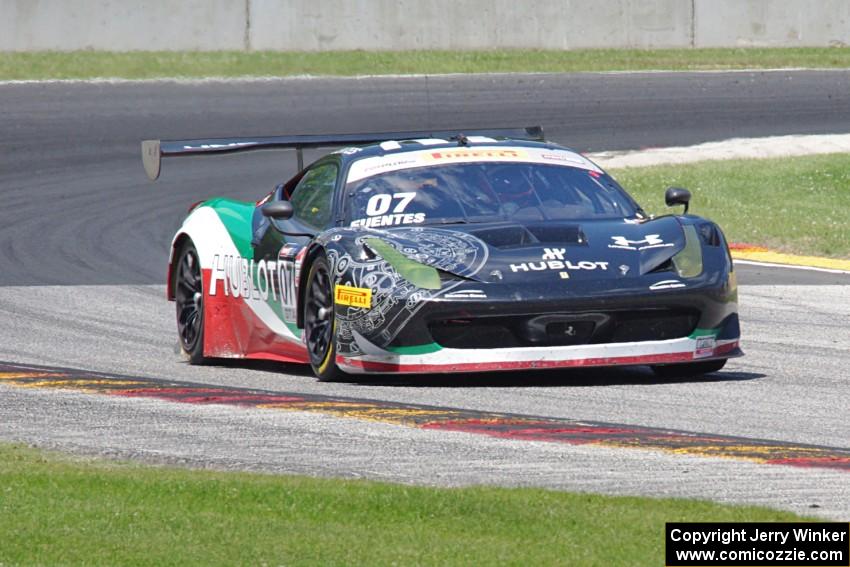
84, 236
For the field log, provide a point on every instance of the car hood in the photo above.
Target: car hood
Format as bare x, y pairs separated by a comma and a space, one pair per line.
526, 252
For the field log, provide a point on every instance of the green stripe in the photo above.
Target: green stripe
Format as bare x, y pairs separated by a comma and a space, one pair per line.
236, 217
704, 333
417, 349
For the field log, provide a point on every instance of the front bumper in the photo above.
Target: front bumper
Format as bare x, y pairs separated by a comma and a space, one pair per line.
688, 349
413, 348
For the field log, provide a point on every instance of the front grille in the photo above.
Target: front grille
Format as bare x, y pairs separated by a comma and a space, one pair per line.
564, 329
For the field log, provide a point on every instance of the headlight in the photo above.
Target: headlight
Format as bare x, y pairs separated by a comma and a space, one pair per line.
688, 262
418, 274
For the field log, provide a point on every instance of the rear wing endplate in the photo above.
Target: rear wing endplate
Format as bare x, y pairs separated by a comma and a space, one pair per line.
154, 150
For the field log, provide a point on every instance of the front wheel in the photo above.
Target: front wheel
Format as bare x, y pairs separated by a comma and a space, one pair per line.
689, 369
319, 322
189, 298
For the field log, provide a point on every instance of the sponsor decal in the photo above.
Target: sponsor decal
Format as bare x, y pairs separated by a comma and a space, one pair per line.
466, 294
649, 241
369, 166
389, 166
553, 253
290, 258
704, 347
389, 220
235, 274
667, 284
567, 157
624, 269
353, 296
558, 265
258, 281
467, 154
379, 205
553, 259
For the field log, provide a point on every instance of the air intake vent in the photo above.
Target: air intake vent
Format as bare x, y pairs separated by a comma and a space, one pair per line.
565, 234
506, 236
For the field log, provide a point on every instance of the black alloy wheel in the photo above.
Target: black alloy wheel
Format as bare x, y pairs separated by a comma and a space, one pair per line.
189, 298
319, 324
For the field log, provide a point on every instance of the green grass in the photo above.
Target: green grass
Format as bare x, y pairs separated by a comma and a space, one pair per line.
799, 205
57, 509
143, 65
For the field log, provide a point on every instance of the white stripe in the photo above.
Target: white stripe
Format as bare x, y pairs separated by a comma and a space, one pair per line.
733, 148
268, 79
448, 356
791, 266
374, 165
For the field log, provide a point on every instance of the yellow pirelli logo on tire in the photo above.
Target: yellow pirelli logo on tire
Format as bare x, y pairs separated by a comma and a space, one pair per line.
353, 296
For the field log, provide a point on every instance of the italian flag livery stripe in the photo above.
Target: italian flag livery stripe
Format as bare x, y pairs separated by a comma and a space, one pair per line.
243, 314
250, 312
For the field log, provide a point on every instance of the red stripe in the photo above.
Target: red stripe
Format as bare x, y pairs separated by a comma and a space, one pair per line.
723, 349
233, 330
747, 247
517, 364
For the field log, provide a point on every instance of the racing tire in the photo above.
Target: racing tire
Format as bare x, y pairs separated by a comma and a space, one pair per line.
189, 300
689, 369
320, 322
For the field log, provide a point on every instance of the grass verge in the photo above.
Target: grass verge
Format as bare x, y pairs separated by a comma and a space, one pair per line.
146, 65
56, 509
799, 205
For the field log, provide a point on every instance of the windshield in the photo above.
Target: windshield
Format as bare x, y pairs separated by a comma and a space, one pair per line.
482, 192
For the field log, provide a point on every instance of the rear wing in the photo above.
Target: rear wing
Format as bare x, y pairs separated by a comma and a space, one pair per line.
154, 150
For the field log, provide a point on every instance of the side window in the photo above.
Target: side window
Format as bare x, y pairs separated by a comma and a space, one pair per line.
312, 198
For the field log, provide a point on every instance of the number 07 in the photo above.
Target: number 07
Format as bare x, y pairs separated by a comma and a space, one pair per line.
380, 204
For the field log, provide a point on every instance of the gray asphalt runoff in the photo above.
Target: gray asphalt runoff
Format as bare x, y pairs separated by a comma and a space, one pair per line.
84, 236
78, 209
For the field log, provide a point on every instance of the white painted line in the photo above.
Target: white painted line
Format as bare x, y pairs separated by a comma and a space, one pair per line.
308, 77
792, 266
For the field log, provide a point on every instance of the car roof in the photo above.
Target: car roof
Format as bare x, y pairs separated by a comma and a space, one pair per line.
393, 155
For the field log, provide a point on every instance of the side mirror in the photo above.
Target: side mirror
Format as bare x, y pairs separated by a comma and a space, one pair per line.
677, 196
280, 210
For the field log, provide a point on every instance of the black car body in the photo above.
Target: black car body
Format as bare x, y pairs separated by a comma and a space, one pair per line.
444, 252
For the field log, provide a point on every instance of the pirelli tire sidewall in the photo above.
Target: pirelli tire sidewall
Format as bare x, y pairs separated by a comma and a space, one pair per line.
323, 365
192, 350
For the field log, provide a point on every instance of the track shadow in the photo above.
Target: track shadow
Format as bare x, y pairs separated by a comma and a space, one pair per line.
556, 378
261, 365
561, 378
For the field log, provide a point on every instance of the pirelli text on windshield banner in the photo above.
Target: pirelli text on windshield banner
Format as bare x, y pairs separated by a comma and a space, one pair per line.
808, 544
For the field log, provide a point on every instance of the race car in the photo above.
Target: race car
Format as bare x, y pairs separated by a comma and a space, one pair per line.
447, 252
